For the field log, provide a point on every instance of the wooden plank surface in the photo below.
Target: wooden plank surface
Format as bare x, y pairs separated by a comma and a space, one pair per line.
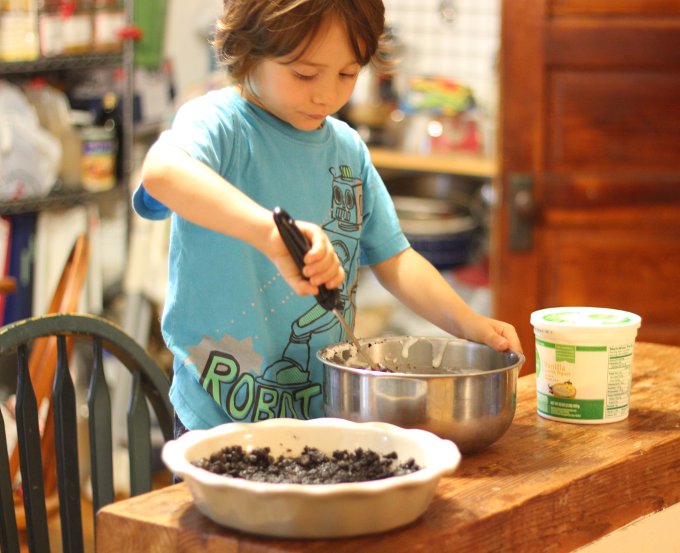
445, 163
545, 486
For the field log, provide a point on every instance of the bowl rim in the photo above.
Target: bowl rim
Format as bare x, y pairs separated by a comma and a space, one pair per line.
368, 373
174, 456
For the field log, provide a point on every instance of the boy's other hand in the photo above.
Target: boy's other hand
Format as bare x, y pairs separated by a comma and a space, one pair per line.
499, 335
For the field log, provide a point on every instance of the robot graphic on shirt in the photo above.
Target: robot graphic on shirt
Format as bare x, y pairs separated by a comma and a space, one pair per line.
345, 220
285, 388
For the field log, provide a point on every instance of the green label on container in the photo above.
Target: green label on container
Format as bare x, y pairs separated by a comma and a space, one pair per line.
562, 347
566, 408
565, 353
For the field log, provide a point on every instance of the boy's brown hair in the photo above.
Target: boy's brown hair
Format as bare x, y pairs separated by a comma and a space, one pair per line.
253, 30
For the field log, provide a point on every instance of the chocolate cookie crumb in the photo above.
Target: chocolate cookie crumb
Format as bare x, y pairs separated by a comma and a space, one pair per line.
310, 467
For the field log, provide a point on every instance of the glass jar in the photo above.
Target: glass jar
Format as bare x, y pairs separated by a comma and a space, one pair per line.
108, 22
51, 36
18, 30
77, 26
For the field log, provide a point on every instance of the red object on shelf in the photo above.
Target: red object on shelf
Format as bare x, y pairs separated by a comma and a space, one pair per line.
67, 9
131, 32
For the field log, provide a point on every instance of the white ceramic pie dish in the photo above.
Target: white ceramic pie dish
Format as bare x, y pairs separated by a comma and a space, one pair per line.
320, 510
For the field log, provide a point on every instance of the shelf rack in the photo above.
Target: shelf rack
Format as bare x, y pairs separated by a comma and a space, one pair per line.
60, 199
60, 63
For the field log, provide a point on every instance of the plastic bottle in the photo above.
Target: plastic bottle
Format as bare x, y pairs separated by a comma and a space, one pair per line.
111, 115
110, 120
54, 114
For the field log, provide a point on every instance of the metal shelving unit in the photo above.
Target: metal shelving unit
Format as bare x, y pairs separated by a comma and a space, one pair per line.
59, 199
60, 63
65, 66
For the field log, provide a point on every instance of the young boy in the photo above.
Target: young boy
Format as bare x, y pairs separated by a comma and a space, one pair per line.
244, 343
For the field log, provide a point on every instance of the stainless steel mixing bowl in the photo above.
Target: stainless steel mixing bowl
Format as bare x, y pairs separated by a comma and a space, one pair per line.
459, 390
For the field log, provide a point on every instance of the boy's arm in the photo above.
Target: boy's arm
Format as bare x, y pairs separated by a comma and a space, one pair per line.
198, 194
421, 287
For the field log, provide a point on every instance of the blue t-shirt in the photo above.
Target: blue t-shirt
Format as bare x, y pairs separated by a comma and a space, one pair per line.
244, 343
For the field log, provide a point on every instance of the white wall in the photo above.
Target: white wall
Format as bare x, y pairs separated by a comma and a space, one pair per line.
464, 49
186, 41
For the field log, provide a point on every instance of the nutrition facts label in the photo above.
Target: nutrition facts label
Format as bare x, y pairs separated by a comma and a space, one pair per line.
618, 379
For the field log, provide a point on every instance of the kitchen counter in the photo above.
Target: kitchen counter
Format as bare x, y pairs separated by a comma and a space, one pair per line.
544, 486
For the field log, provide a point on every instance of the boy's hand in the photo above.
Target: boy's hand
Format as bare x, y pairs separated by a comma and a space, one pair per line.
322, 265
496, 334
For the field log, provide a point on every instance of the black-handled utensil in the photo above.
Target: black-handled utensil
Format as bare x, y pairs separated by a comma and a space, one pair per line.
298, 246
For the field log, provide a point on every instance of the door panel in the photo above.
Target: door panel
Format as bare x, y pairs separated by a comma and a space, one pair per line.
609, 7
639, 279
612, 41
590, 112
613, 123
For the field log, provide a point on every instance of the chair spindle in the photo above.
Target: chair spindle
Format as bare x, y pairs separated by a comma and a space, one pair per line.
139, 444
9, 536
66, 446
28, 432
101, 440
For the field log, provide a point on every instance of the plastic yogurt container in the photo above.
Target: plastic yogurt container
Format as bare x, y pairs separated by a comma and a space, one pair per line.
584, 362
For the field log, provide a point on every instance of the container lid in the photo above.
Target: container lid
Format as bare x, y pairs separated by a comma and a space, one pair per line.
591, 318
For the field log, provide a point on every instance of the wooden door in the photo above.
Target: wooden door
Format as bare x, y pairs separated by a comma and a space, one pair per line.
589, 184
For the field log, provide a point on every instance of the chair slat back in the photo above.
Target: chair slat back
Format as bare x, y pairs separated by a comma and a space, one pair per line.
43, 353
101, 441
30, 460
9, 535
66, 451
150, 386
139, 447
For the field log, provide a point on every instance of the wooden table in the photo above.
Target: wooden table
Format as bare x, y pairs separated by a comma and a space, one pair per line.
544, 486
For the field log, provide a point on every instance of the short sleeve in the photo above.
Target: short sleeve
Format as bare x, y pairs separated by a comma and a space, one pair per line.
147, 206
203, 128
381, 234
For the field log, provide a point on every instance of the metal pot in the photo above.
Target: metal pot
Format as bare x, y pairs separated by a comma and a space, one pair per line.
445, 232
460, 390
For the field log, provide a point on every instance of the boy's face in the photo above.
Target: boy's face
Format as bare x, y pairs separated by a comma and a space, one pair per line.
318, 84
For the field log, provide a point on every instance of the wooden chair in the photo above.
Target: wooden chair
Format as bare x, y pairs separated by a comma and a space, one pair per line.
42, 362
150, 385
